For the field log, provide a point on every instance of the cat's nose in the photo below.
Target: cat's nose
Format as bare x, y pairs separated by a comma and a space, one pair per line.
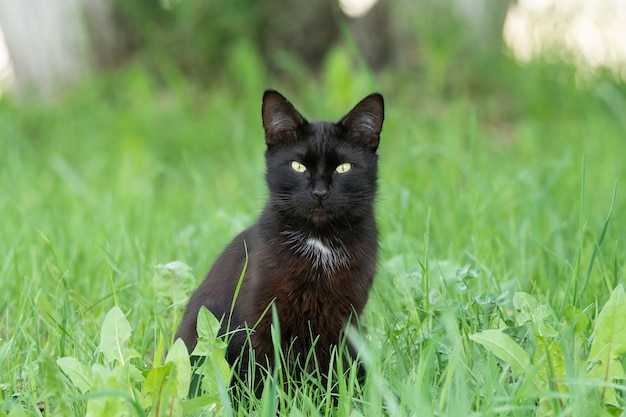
320, 194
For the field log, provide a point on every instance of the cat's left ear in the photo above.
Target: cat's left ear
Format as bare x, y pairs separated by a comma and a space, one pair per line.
365, 121
281, 120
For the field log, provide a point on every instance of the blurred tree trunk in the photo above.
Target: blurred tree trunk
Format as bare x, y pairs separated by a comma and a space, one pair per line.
54, 43
304, 28
309, 28
373, 36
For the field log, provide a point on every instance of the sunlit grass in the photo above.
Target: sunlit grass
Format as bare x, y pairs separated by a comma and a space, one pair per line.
479, 198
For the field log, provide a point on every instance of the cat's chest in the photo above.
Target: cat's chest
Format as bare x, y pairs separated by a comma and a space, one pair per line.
320, 255
308, 273
310, 280
315, 282
301, 271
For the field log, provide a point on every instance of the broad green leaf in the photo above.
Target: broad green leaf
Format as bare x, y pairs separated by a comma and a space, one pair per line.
203, 402
153, 386
530, 311
526, 307
552, 359
115, 338
501, 345
609, 339
208, 325
609, 342
130, 374
159, 391
79, 374
17, 411
179, 356
203, 347
171, 280
576, 316
215, 370
208, 330
103, 377
114, 391
112, 402
175, 269
216, 373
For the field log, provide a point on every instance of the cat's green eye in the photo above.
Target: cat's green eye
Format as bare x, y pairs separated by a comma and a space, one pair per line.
297, 166
345, 167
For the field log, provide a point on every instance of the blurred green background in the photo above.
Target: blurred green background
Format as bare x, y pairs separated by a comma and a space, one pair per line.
152, 151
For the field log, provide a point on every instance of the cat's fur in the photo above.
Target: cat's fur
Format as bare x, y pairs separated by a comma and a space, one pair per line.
313, 251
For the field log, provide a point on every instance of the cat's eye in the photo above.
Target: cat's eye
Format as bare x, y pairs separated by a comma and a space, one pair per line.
342, 168
297, 166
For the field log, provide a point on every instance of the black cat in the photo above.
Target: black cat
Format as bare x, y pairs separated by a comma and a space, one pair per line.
313, 251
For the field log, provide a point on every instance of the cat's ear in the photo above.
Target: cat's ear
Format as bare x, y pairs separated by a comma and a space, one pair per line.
280, 119
365, 121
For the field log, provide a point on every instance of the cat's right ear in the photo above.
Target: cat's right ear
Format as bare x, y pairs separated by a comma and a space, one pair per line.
281, 120
365, 121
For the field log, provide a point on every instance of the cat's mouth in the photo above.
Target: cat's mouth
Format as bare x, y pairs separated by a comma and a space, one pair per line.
319, 215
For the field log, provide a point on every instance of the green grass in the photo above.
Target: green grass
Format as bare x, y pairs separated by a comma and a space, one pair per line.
482, 195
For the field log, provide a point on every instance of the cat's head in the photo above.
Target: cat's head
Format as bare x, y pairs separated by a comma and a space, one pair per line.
322, 173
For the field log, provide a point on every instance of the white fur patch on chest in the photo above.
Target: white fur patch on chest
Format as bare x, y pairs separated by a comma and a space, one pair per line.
323, 254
